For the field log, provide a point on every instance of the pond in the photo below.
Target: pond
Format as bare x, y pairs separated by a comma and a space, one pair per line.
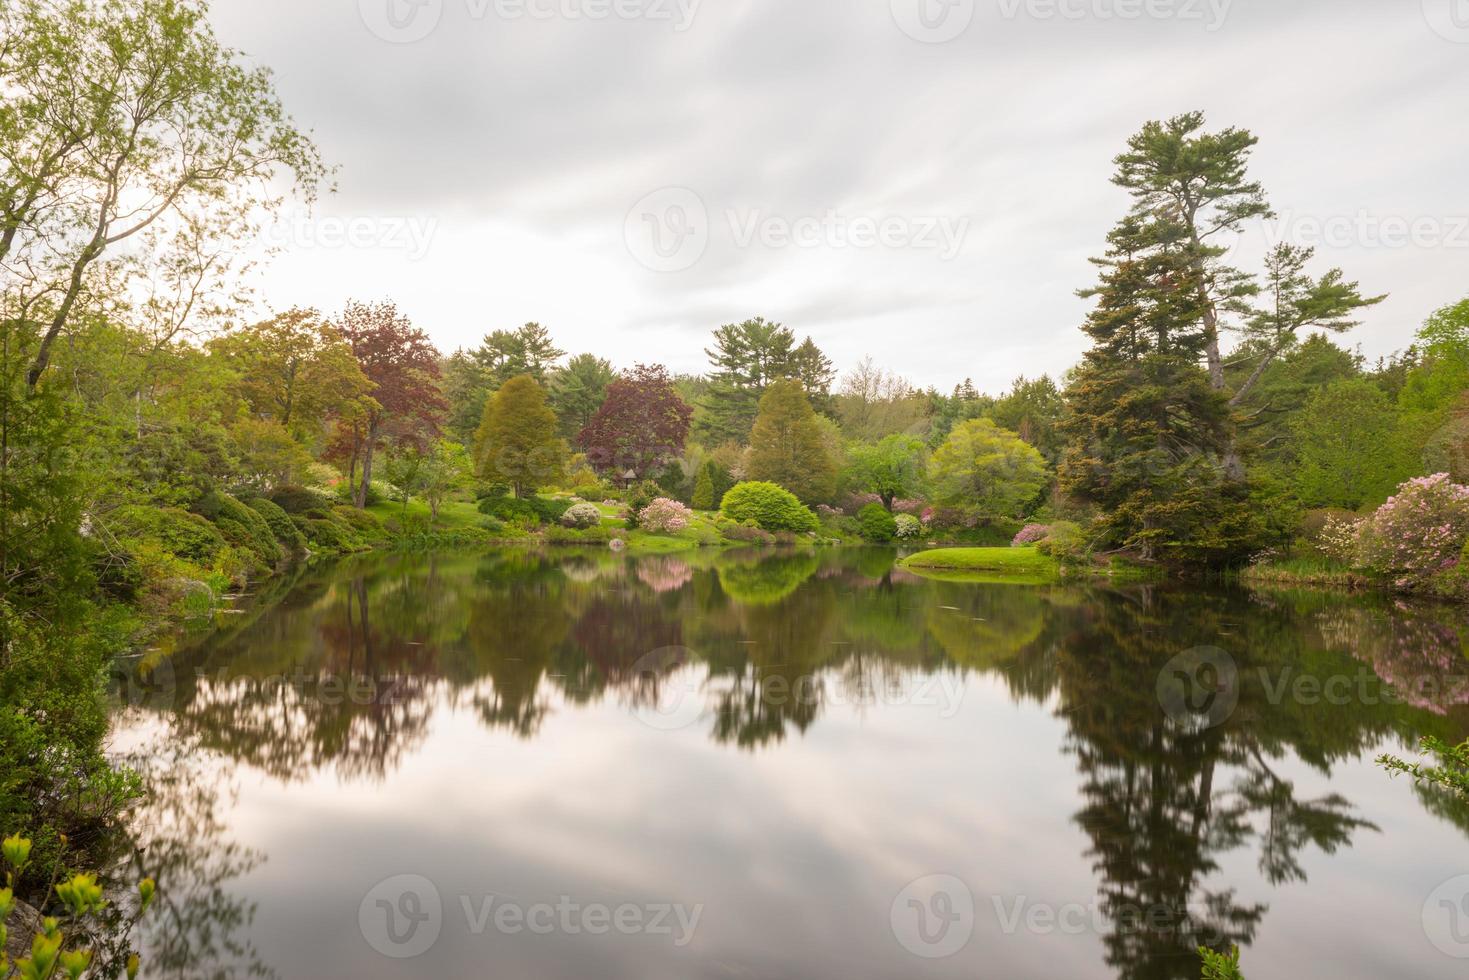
576, 764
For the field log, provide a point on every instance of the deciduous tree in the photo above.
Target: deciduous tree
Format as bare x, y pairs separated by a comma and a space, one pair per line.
518, 441
642, 424
788, 446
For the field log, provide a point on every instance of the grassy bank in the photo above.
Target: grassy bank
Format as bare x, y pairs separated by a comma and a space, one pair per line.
1023, 565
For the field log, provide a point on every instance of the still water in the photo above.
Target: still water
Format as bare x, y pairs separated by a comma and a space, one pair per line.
794, 765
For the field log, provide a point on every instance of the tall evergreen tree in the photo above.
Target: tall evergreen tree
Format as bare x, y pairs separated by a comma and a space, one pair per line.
1145, 428
746, 358
788, 445
578, 389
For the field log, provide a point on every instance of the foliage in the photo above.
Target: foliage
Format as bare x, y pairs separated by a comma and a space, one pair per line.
287, 534
894, 467
578, 389
1019, 563
1220, 966
403, 366
582, 516
241, 526
518, 441
642, 424
907, 527
1418, 533
747, 358
1450, 769
1030, 534
1346, 435
788, 447
769, 507
470, 377
703, 495
987, 468
1032, 409
664, 516
874, 403
877, 523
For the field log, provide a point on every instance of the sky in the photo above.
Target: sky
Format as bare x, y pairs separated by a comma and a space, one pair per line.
921, 181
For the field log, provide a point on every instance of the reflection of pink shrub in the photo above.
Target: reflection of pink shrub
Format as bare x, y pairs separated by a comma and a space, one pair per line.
664, 516
1030, 534
1419, 532
665, 574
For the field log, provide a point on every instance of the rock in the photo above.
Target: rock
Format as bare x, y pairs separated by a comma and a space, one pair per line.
24, 923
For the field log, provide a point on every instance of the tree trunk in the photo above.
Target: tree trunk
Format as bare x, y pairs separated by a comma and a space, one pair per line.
361, 498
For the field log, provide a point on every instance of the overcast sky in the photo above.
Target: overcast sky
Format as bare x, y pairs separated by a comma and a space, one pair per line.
919, 180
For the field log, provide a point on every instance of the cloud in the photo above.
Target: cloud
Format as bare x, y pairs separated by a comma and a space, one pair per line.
525, 138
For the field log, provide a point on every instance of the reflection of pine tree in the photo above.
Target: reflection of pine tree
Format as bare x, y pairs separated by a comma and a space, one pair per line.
1158, 810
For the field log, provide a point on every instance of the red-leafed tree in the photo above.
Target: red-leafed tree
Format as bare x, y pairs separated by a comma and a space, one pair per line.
640, 426
406, 404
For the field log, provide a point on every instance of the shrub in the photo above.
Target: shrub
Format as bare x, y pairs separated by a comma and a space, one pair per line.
1339, 537
287, 534
582, 516
511, 510
746, 533
1418, 533
241, 526
638, 497
908, 526
549, 509
770, 507
1030, 534
177, 531
299, 500
876, 523
665, 516
1066, 543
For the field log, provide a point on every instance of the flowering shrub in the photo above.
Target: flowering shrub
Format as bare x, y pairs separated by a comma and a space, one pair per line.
664, 516
1340, 537
914, 507
826, 512
1418, 533
582, 516
854, 502
908, 526
1030, 534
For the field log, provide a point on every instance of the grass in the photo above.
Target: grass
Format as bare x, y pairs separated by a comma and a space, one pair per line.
986, 564
1302, 571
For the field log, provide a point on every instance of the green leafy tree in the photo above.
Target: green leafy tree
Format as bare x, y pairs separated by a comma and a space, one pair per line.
121, 119
789, 447
474, 375
895, 467
703, 496
1032, 409
1346, 446
519, 442
983, 467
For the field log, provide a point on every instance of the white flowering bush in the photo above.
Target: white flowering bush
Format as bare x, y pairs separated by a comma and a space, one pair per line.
1339, 538
582, 516
664, 516
908, 526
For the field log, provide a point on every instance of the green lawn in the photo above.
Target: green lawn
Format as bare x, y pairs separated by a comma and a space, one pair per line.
993, 564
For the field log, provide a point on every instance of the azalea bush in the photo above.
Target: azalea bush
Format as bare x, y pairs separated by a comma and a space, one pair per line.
907, 527
1418, 533
1030, 534
582, 516
664, 516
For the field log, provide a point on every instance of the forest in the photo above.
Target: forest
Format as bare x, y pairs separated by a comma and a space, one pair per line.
165, 440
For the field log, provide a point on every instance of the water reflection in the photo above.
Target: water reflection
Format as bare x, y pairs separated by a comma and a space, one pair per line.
348, 676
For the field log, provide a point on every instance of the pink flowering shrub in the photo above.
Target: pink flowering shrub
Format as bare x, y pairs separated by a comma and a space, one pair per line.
1030, 534
1418, 533
914, 507
664, 516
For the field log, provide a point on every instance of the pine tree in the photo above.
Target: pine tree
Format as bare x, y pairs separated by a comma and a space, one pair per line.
788, 446
518, 442
746, 357
1146, 430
